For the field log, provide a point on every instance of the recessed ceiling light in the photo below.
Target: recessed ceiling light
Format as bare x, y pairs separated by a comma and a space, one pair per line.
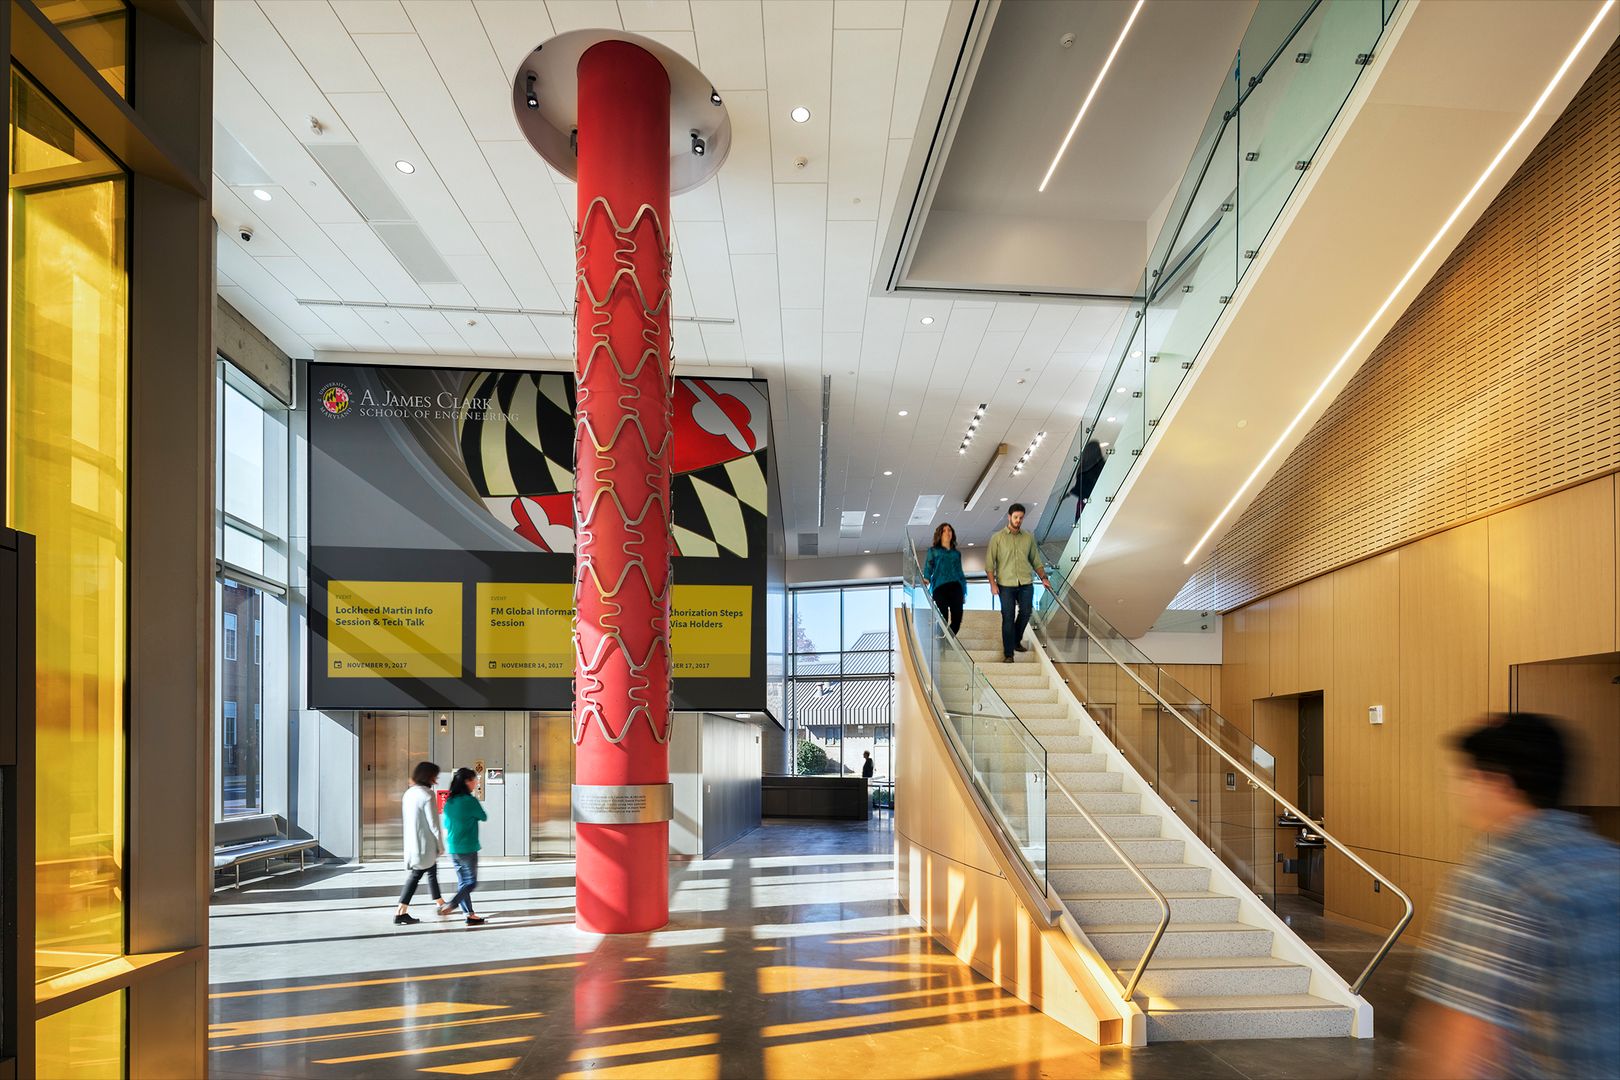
903, 413
877, 515
1102, 444
740, 715
888, 472
1136, 353
261, 194
972, 544
868, 551
1121, 389
1111, 420
800, 114
1004, 498
928, 320
405, 167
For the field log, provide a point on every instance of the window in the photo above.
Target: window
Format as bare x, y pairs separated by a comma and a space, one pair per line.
230, 635
228, 737
241, 687
258, 641
840, 688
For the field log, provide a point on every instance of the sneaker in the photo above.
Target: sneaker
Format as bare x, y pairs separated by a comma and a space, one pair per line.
406, 920
476, 920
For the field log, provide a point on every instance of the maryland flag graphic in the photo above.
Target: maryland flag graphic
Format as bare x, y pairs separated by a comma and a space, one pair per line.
516, 434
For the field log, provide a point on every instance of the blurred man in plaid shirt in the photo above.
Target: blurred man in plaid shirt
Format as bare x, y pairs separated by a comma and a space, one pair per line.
1521, 976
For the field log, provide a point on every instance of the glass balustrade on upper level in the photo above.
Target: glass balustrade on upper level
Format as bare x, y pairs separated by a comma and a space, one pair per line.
1296, 66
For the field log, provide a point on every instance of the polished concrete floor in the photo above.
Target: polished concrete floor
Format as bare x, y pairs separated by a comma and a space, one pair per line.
786, 955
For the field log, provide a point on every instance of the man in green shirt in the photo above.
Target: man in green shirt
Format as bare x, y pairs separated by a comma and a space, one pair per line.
1012, 564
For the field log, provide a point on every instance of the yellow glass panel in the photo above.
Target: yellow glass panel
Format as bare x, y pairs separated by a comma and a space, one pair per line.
66, 483
85, 1042
43, 137
99, 30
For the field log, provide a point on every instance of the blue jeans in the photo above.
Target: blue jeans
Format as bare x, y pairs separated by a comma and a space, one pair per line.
467, 878
1017, 603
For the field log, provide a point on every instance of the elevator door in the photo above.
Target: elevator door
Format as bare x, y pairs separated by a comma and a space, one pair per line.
479, 741
391, 743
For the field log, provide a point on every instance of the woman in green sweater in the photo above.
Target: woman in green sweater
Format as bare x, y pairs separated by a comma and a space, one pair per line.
461, 815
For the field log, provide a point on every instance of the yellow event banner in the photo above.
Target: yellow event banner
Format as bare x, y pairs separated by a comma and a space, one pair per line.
711, 631
523, 631
409, 629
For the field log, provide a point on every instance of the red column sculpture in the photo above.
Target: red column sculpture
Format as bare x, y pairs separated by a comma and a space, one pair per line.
622, 508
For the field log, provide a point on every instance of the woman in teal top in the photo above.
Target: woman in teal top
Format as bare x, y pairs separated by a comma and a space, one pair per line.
461, 815
942, 573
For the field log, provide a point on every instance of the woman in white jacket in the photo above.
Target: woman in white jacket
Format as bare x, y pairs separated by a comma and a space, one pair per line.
424, 843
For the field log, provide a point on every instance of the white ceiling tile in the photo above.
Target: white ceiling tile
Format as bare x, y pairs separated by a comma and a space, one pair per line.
700, 204
723, 344
320, 41
481, 336
386, 139
681, 42
373, 16
299, 279
745, 183
798, 55
462, 54
540, 210
569, 15
315, 247
483, 279
381, 267
680, 301
244, 114
801, 349
1094, 327
731, 41
686, 344
759, 305
361, 336
252, 43
558, 332
509, 246
514, 29
919, 47
849, 256
393, 328
801, 237
863, 87
1010, 316
702, 248
412, 82
453, 296
232, 212
869, 14
893, 171
520, 335
643, 15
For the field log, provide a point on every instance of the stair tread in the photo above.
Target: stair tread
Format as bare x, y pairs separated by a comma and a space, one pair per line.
1254, 1002
1169, 894
1177, 926
1115, 865
1212, 963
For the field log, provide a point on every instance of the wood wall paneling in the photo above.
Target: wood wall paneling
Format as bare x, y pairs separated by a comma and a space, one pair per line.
1315, 634
1284, 671
1444, 623
1586, 698
1276, 727
1552, 581
1362, 759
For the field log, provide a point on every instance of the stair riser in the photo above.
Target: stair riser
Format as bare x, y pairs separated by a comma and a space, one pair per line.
1119, 948
1063, 851
1115, 879
1047, 712
1223, 981
1247, 1024
1067, 827
1024, 697
1183, 909
993, 656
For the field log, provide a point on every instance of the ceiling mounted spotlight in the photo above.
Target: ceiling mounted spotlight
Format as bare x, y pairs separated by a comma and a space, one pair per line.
714, 97
972, 428
261, 194
698, 145
800, 114
903, 412
888, 472
529, 96
1029, 452
405, 167
928, 320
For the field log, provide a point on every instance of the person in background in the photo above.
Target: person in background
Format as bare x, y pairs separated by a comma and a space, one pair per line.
462, 813
423, 841
1521, 972
1012, 564
1086, 474
868, 767
942, 574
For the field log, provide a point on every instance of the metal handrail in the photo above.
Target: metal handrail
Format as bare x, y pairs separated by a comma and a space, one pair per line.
1389, 942
1052, 780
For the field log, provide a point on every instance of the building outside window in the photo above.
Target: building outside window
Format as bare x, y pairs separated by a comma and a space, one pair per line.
251, 549
840, 692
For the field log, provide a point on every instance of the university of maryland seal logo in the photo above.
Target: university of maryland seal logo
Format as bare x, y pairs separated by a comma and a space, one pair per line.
335, 400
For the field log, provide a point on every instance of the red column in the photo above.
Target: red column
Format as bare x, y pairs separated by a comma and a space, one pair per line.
623, 546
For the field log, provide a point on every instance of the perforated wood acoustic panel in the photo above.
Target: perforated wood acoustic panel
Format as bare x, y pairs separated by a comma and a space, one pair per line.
1500, 383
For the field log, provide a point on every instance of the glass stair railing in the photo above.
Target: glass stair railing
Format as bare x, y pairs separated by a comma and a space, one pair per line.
1212, 775
1006, 764
1298, 62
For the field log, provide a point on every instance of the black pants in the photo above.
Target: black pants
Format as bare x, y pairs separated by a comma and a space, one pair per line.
948, 598
1017, 604
413, 876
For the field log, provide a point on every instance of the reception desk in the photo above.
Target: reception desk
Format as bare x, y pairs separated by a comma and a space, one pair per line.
842, 797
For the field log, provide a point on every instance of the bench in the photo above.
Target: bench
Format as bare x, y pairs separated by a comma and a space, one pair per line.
248, 839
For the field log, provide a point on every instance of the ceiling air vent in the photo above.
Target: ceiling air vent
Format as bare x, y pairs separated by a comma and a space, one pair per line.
927, 506
360, 182
850, 523
415, 252
809, 543
234, 164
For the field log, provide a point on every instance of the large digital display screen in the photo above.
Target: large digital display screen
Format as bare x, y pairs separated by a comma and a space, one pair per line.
441, 539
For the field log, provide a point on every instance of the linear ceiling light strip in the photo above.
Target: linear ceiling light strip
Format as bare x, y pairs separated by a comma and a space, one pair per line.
1558, 76
821, 464
1086, 104
461, 309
